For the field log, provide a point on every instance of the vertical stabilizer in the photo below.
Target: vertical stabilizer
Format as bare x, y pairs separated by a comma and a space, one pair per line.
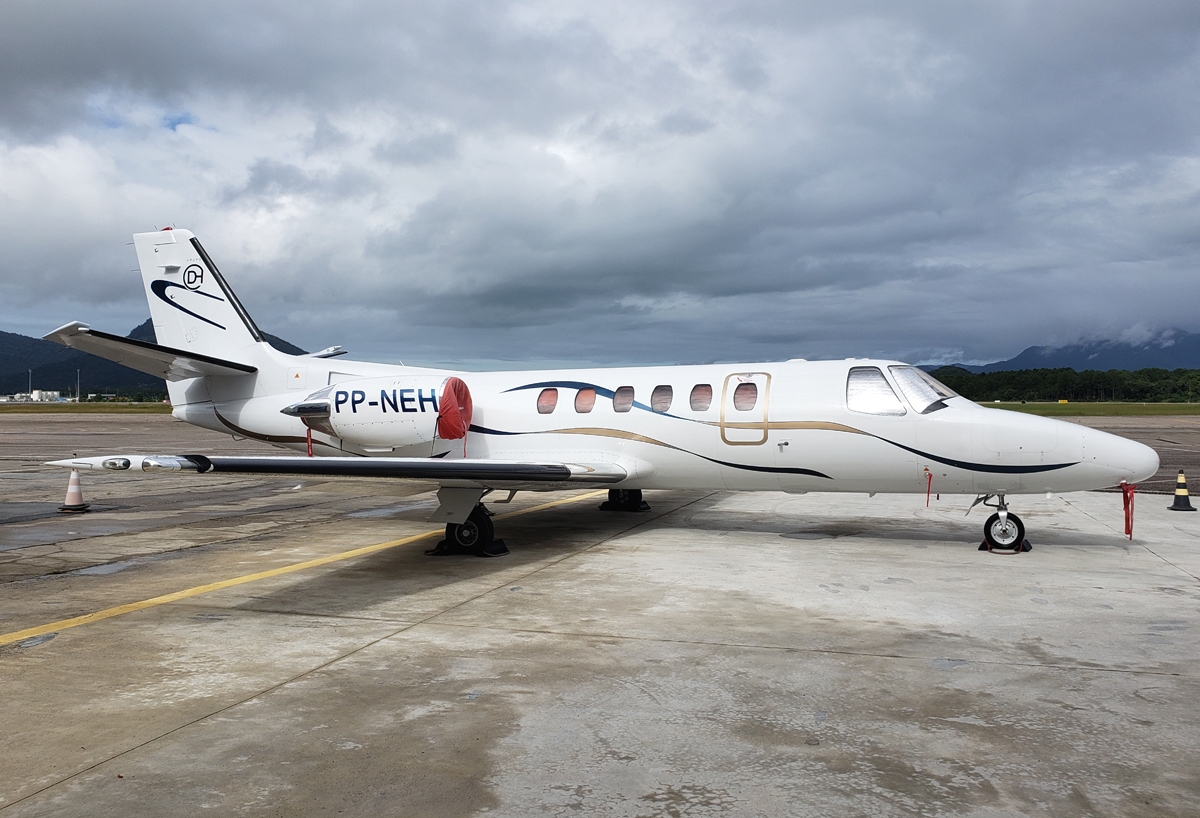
191, 306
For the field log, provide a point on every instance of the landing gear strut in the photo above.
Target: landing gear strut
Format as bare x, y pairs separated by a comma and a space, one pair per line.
1002, 530
475, 536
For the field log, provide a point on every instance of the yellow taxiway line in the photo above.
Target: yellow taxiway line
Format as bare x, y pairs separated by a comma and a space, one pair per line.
109, 613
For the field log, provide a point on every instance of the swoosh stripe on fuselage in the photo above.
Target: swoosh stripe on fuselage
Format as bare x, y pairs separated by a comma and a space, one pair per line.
623, 435
799, 424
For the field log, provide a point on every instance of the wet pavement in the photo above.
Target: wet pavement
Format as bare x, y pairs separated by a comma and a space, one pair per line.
282, 647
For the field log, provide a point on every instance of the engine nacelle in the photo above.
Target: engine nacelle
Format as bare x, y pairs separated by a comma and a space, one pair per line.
376, 413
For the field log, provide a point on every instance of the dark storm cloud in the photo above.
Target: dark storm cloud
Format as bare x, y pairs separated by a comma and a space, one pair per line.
479, 181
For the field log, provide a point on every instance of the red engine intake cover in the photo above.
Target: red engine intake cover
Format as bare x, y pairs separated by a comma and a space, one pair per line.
454, 410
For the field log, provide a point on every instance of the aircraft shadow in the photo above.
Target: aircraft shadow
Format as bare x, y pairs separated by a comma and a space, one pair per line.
405, 584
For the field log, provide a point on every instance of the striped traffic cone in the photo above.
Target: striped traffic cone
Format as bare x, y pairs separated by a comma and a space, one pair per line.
1182, 503
74, 502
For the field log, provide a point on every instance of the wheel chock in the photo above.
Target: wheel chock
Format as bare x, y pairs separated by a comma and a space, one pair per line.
1024, 546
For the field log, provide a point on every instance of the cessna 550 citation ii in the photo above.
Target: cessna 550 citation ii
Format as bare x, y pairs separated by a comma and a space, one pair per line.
797, 426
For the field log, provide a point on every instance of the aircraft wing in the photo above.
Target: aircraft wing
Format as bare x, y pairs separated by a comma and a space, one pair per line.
153, 359
488, 473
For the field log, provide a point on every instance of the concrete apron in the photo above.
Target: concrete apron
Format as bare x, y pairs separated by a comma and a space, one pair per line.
734, 654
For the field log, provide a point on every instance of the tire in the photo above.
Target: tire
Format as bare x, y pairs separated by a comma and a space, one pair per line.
1010, 537
476, 532
626, 498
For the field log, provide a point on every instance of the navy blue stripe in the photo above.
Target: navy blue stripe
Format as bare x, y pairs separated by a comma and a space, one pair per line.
958, 464
766, 469
984, 467
159, 288
483, 430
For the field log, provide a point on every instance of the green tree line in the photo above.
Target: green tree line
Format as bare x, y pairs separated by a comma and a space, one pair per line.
1142, 385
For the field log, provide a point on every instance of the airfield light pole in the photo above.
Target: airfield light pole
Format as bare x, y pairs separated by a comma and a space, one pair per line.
77, 386
30, 382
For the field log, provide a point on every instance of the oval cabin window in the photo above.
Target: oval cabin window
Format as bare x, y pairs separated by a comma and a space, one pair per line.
701, 397
745, 396
585, 399
660, 398
623, 399
547, 400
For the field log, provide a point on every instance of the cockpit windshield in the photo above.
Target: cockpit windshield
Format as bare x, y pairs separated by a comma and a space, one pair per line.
924, 392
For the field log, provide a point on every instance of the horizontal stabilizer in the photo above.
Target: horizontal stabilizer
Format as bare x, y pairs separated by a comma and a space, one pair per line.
164, 362
484, 472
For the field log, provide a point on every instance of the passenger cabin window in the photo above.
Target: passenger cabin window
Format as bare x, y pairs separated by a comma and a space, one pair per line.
745, 396
660, 398
701, 397
547, 400
585, 399
869, 392
623, 399
924, 393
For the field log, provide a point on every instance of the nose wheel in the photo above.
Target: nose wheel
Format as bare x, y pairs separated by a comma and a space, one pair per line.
1003, 530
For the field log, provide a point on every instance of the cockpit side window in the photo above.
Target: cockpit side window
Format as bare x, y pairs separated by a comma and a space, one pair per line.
924, 393
869, 392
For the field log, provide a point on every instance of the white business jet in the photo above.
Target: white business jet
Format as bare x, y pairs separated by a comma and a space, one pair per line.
857, 425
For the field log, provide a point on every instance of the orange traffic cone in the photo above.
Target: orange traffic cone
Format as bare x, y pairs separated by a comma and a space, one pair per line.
74, 502
1182, 503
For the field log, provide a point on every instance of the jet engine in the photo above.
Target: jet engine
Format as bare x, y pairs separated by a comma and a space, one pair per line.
383, 414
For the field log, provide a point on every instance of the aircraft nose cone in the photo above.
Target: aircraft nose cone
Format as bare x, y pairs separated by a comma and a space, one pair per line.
1142, 462
1120, 458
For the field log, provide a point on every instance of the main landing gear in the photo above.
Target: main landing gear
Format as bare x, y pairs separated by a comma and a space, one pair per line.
625, 500
1003, 530
475, 536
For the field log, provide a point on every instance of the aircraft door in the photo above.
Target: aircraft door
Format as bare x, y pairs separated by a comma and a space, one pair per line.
745, 397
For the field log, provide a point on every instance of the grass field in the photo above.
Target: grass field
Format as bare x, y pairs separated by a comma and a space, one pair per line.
86, 408
1099, 409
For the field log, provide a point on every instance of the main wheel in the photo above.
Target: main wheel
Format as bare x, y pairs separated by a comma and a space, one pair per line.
1010, 534
476, 532
627, 498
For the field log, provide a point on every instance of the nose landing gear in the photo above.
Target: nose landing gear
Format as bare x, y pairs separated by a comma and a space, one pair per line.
1003, 530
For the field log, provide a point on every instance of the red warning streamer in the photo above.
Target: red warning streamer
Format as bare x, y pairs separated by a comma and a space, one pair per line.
1127, 490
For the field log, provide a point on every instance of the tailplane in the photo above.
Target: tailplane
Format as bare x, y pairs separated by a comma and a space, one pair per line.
191, 305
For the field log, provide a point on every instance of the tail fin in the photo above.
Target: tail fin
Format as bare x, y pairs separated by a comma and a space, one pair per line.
191, 306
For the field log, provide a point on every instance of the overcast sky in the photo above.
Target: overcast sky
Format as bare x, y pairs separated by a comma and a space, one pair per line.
488, 184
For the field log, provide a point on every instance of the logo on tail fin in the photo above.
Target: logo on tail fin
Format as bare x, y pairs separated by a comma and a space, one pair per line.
193, 277
161, 286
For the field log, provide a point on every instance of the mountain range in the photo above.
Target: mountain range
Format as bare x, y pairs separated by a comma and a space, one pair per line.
1172, 348
54, 366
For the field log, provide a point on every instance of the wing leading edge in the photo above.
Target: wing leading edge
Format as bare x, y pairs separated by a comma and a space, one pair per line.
483, 472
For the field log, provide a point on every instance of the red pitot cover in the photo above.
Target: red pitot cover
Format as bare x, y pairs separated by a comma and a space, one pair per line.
454, 411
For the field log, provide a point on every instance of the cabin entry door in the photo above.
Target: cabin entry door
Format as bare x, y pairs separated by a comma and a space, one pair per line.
745, 397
